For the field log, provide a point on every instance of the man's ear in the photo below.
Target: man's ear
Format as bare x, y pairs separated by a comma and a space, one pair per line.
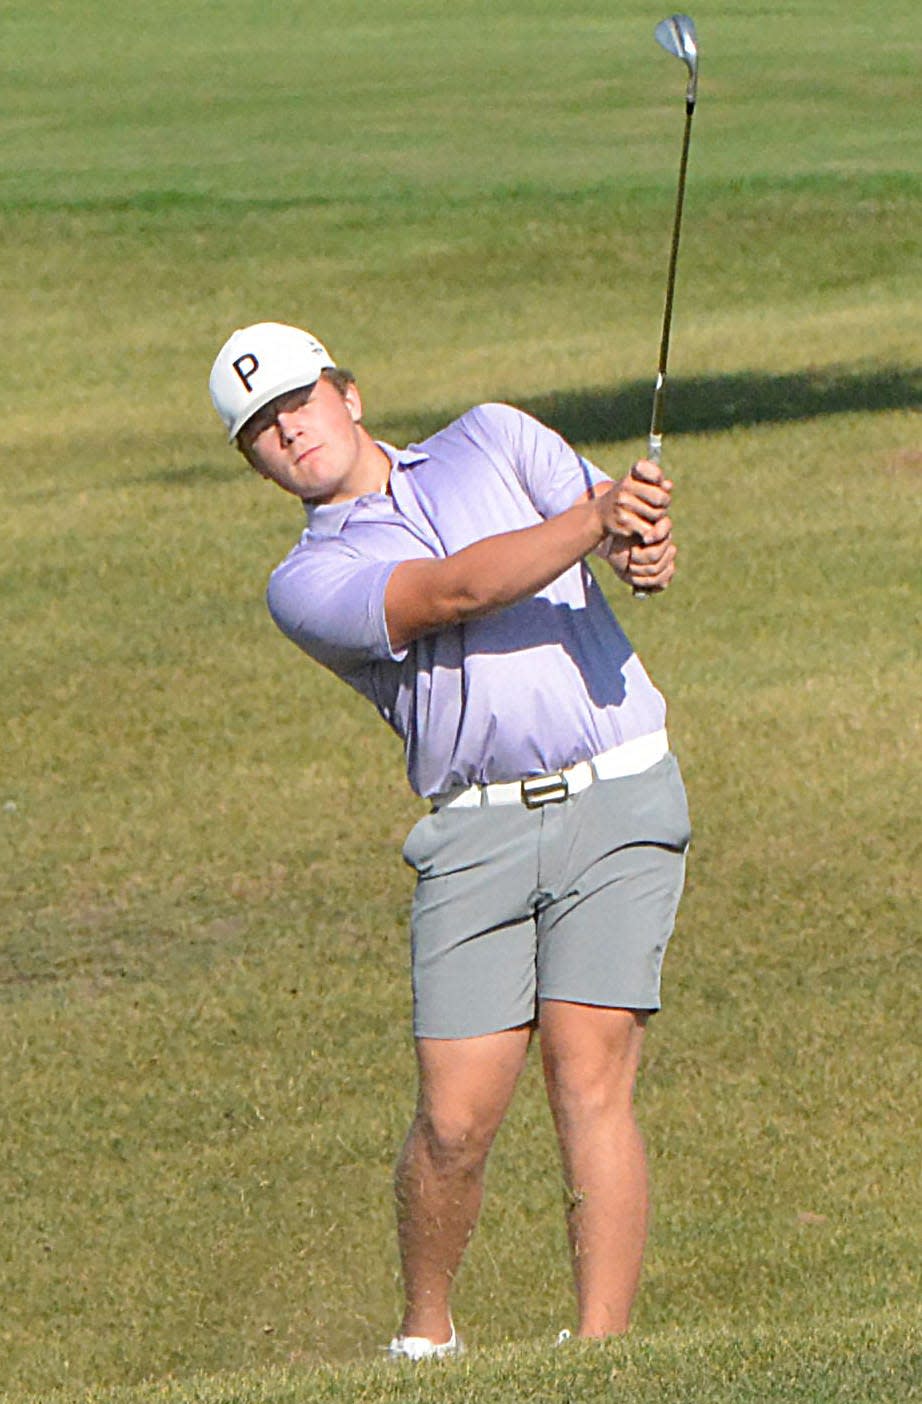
353, 402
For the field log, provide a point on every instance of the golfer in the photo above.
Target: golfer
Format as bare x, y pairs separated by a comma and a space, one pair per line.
447, 582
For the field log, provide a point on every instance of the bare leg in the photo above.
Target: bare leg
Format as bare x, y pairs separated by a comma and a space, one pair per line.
465, 1086
590, 1057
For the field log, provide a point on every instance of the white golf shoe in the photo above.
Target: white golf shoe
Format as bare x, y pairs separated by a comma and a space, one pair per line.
421, 1348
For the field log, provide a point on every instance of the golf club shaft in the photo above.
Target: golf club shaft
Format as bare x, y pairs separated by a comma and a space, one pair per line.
655, 437
655, 440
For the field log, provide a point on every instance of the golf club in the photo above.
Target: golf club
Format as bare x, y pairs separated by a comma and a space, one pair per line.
677, 36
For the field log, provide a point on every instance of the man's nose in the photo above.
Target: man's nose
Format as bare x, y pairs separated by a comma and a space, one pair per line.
287, 426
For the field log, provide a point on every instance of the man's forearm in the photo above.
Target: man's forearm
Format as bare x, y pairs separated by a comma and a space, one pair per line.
491, 574
500, 570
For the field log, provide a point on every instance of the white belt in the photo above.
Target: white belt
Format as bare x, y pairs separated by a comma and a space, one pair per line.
630, 758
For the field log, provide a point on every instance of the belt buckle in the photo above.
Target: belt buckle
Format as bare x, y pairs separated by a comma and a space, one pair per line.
539, 790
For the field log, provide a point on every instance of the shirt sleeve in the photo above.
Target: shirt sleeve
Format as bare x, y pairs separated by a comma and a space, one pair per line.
552, 473
330, 602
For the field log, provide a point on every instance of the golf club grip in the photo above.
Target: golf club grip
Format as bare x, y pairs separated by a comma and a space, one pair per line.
654, 450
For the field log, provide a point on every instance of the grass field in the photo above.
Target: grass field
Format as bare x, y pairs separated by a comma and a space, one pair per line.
204, 1041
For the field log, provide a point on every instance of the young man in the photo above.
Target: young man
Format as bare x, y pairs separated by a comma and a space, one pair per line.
447, 583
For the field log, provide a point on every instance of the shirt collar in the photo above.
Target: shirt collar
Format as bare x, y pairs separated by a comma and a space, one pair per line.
328, 519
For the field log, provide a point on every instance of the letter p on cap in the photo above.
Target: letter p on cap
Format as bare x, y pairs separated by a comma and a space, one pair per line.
245, 366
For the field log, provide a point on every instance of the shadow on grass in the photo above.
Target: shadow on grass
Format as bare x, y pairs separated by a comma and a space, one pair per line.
703, 404
194, 474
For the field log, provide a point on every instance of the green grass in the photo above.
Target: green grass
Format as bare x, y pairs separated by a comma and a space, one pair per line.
778, 1367
204, 1043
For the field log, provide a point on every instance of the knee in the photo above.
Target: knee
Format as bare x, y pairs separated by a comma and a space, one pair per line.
589, 1091
456, 1141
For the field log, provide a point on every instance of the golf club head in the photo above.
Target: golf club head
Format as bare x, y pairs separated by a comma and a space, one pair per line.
677, 36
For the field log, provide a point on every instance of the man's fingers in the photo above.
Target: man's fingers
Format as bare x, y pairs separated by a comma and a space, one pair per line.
649, 472
646, 468
646, 533
627, 516
652, 575
631, 525
656, 533
651, 570
635, 490
644, 559
627, 504
648, 500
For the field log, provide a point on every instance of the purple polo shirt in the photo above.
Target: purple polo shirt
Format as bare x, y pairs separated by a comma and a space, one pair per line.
535, 687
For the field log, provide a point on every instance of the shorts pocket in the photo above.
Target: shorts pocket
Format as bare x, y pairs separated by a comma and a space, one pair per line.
677, 821
416, 843
648, 808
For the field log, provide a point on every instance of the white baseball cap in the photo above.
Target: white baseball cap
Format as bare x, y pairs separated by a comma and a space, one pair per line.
259, 362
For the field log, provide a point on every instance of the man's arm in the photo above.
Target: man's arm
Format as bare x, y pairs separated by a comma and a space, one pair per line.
423, 596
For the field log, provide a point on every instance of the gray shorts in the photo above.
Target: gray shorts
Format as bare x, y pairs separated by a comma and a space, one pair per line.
573, 901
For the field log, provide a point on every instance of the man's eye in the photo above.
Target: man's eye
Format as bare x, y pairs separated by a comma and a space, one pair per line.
266, 418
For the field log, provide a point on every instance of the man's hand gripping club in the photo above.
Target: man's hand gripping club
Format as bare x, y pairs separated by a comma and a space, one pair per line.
635, 515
